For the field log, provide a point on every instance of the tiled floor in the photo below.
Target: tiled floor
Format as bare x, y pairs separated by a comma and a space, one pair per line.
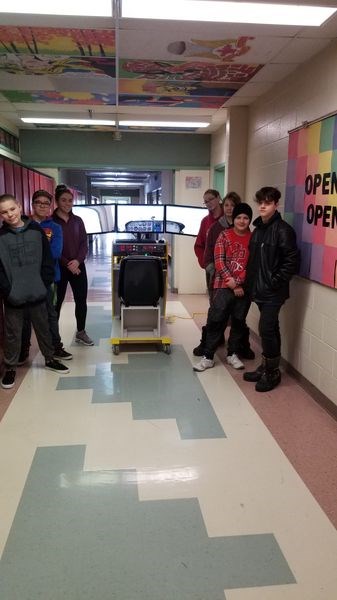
135, 478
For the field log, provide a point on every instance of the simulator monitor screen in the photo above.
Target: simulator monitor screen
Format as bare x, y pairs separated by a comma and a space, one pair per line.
97, 218
184, 220
140, 218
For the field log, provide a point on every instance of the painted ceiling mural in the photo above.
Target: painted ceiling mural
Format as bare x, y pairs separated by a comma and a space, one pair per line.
78, 66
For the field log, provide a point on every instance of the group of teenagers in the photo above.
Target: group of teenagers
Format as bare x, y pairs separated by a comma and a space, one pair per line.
244, 267
39, 256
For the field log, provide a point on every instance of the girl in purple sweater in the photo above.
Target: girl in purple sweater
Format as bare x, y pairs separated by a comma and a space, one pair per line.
73, 271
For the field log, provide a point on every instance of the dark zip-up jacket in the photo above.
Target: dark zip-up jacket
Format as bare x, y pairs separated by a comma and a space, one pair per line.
26, 264
273, 260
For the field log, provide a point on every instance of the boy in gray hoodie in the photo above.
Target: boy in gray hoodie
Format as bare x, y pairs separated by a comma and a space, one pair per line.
26, 271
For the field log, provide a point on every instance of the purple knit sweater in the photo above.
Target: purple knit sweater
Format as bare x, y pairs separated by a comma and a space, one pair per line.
75, 243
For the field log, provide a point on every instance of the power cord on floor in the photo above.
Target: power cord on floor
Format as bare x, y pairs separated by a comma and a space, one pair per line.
172, 318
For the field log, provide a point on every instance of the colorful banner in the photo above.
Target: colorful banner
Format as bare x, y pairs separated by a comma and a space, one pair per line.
311, 198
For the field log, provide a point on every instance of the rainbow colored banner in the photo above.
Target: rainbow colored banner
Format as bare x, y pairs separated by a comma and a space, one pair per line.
311, 198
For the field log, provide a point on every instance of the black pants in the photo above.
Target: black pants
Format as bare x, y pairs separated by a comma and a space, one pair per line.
79, 286
52, 321
224, 305
269, 329
14, 318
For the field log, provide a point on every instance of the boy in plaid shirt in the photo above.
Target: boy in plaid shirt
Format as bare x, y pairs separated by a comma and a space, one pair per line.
229, 299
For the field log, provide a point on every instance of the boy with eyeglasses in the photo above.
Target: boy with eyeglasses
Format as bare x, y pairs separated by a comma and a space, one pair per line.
26, 272
41, 205
213, 202
273, 260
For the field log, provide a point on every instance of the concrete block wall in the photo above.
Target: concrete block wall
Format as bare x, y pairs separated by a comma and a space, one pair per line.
309, 318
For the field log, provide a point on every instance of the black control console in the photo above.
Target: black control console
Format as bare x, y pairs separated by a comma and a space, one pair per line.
121, 249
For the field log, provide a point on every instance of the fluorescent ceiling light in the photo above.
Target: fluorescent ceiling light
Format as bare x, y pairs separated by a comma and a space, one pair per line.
98, 8
122, 184
67, 121
227, 12
170, 124
137, 123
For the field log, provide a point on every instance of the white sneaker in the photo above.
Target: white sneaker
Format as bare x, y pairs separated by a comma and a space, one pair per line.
234, 361
205, 363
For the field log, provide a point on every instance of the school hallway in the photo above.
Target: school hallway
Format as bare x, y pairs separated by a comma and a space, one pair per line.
135, 478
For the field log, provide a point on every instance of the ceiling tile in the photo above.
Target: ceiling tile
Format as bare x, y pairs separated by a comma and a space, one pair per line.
301, 49
274, 72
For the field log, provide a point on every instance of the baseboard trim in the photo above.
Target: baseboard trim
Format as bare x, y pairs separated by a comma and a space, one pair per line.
325, 402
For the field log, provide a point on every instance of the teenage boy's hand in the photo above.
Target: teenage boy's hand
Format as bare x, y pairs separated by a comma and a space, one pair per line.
230, 283
238, 291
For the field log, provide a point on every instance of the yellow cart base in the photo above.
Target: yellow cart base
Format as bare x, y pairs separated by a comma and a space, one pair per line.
164, 340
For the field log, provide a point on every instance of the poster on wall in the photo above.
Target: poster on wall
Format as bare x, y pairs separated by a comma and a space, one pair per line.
193, 183
311, 198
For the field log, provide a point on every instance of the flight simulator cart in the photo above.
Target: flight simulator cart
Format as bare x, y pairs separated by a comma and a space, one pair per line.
139, 288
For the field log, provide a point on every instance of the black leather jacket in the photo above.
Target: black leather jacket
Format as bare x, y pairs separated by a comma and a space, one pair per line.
273, 260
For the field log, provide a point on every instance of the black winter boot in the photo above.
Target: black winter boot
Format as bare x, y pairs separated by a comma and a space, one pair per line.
200, 350
271, 375
256, 375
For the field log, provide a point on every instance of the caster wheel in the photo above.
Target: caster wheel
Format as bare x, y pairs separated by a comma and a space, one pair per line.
167, 348
115, 350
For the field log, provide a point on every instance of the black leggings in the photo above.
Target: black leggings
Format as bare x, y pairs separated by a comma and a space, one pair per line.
79, 286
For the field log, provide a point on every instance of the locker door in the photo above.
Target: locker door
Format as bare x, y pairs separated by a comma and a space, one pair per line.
37, 184
25, 191
17, 169
2, 176
31, 183
9, 177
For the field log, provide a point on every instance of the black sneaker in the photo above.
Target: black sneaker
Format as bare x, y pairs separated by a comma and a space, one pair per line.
24, 354
8, 379
62, 354
199, 350
57, 366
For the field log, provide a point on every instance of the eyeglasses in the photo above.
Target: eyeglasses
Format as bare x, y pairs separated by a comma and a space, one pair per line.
209, 200
44, 204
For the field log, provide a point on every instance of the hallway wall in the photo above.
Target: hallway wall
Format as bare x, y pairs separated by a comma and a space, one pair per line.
309, 319
229, 148
188, 277
97, 149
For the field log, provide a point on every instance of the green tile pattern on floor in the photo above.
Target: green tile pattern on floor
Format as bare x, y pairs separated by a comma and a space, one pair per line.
85, 535
159, 387
100, 282
98, 324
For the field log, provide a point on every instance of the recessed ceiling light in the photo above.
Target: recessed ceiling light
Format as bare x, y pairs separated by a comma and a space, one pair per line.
99, 8
44, 121
170, 124
228, 12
